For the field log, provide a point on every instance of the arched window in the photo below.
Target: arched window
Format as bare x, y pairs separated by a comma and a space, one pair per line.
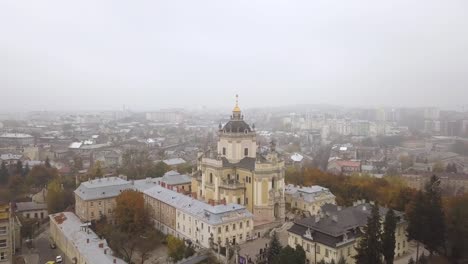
211, 177
273, 183
246, 151
224, 151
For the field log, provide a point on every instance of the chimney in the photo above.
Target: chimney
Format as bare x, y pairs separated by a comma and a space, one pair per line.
87, 241
101, 245
105, 251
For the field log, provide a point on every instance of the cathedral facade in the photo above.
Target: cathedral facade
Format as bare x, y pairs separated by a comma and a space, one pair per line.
236, 173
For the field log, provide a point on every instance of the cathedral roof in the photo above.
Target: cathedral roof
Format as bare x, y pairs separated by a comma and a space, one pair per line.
245, 163
237, 126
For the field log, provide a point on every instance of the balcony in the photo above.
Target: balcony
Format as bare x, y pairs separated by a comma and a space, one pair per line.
232, 184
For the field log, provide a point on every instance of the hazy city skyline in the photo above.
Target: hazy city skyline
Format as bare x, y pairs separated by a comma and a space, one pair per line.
83, 55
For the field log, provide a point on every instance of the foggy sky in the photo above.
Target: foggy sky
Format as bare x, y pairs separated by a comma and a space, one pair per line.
77, 55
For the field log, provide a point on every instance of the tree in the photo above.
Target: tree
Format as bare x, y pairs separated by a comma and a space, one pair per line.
26, 170
123, 243
434, 238
4, 174
55, 197
342, 260
388, 237
369, 249
176, 248
290, 255
16, 185
47, 163
417, 225
19, 168
130, 212
40, 175
96, 170
148, 242
411, 261
274, 249
438, 167
457, 227
159, 169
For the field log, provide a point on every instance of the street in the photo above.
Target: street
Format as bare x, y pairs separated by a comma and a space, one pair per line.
41, 252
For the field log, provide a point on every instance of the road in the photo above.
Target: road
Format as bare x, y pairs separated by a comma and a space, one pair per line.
41, 251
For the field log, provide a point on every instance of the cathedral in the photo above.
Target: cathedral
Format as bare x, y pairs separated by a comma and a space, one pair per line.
237, 173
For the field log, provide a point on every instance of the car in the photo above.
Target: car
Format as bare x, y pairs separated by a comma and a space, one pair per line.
58, 259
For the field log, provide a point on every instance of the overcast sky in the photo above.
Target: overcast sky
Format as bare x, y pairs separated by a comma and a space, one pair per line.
70, 55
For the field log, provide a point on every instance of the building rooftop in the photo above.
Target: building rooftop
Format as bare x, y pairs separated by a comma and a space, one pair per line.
174, 162
15, 135
308, 194
213, 215
175, 178
84, 239
30, 206
102, 188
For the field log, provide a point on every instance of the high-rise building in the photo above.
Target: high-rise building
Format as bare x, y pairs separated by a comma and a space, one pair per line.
236, 173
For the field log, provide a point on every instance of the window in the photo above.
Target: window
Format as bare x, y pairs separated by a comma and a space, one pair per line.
237, 177
247, 223
27, 215
398, 246
404, 244
92, 214
209, 229
3, 230
219, 229
318, 249
295, 240
99, 203
227, 228
233, 226
326, 252
240, 237
229, 176
211, 179
2, 256
308, 247
238, 200
224, 151
92, 204
240, 225
3, 243
202, 226
273, 183
246, 200
246, 152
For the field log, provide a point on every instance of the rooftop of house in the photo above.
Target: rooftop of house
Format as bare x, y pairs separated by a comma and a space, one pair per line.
174, 161
213, 215
308, 194
175, 178
90, 246
10, 156
30, 206
333, 223
15, 135
102, 188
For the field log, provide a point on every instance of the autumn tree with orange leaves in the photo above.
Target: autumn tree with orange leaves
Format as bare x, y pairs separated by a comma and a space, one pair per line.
130, 211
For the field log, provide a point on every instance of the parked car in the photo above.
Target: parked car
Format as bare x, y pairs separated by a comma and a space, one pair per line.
58, 259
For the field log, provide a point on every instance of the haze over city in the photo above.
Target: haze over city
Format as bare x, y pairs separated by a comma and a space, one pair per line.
90, 55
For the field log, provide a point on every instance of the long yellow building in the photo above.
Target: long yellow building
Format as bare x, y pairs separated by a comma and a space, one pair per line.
236, 173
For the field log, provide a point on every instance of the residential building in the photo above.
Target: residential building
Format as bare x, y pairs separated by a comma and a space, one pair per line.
236, 173
78, 242
204, 224
335, 232
176, 181
347, 167
308, 199
32, 210
7, 234
16, 139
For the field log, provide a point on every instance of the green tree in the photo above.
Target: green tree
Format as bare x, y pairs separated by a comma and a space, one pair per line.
417, 222
176, 248
16, 186
388, 237
40, 175
55, 197
434, 238
96, 170
4, 174
159, 169
457, 227
47, 163
290, 255
369, 249
274, 249
19, 168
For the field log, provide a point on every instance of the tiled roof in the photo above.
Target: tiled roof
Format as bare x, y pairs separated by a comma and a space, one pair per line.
30, 206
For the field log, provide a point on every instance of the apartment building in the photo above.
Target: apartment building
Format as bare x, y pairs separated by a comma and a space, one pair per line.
204, 224
308, 199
